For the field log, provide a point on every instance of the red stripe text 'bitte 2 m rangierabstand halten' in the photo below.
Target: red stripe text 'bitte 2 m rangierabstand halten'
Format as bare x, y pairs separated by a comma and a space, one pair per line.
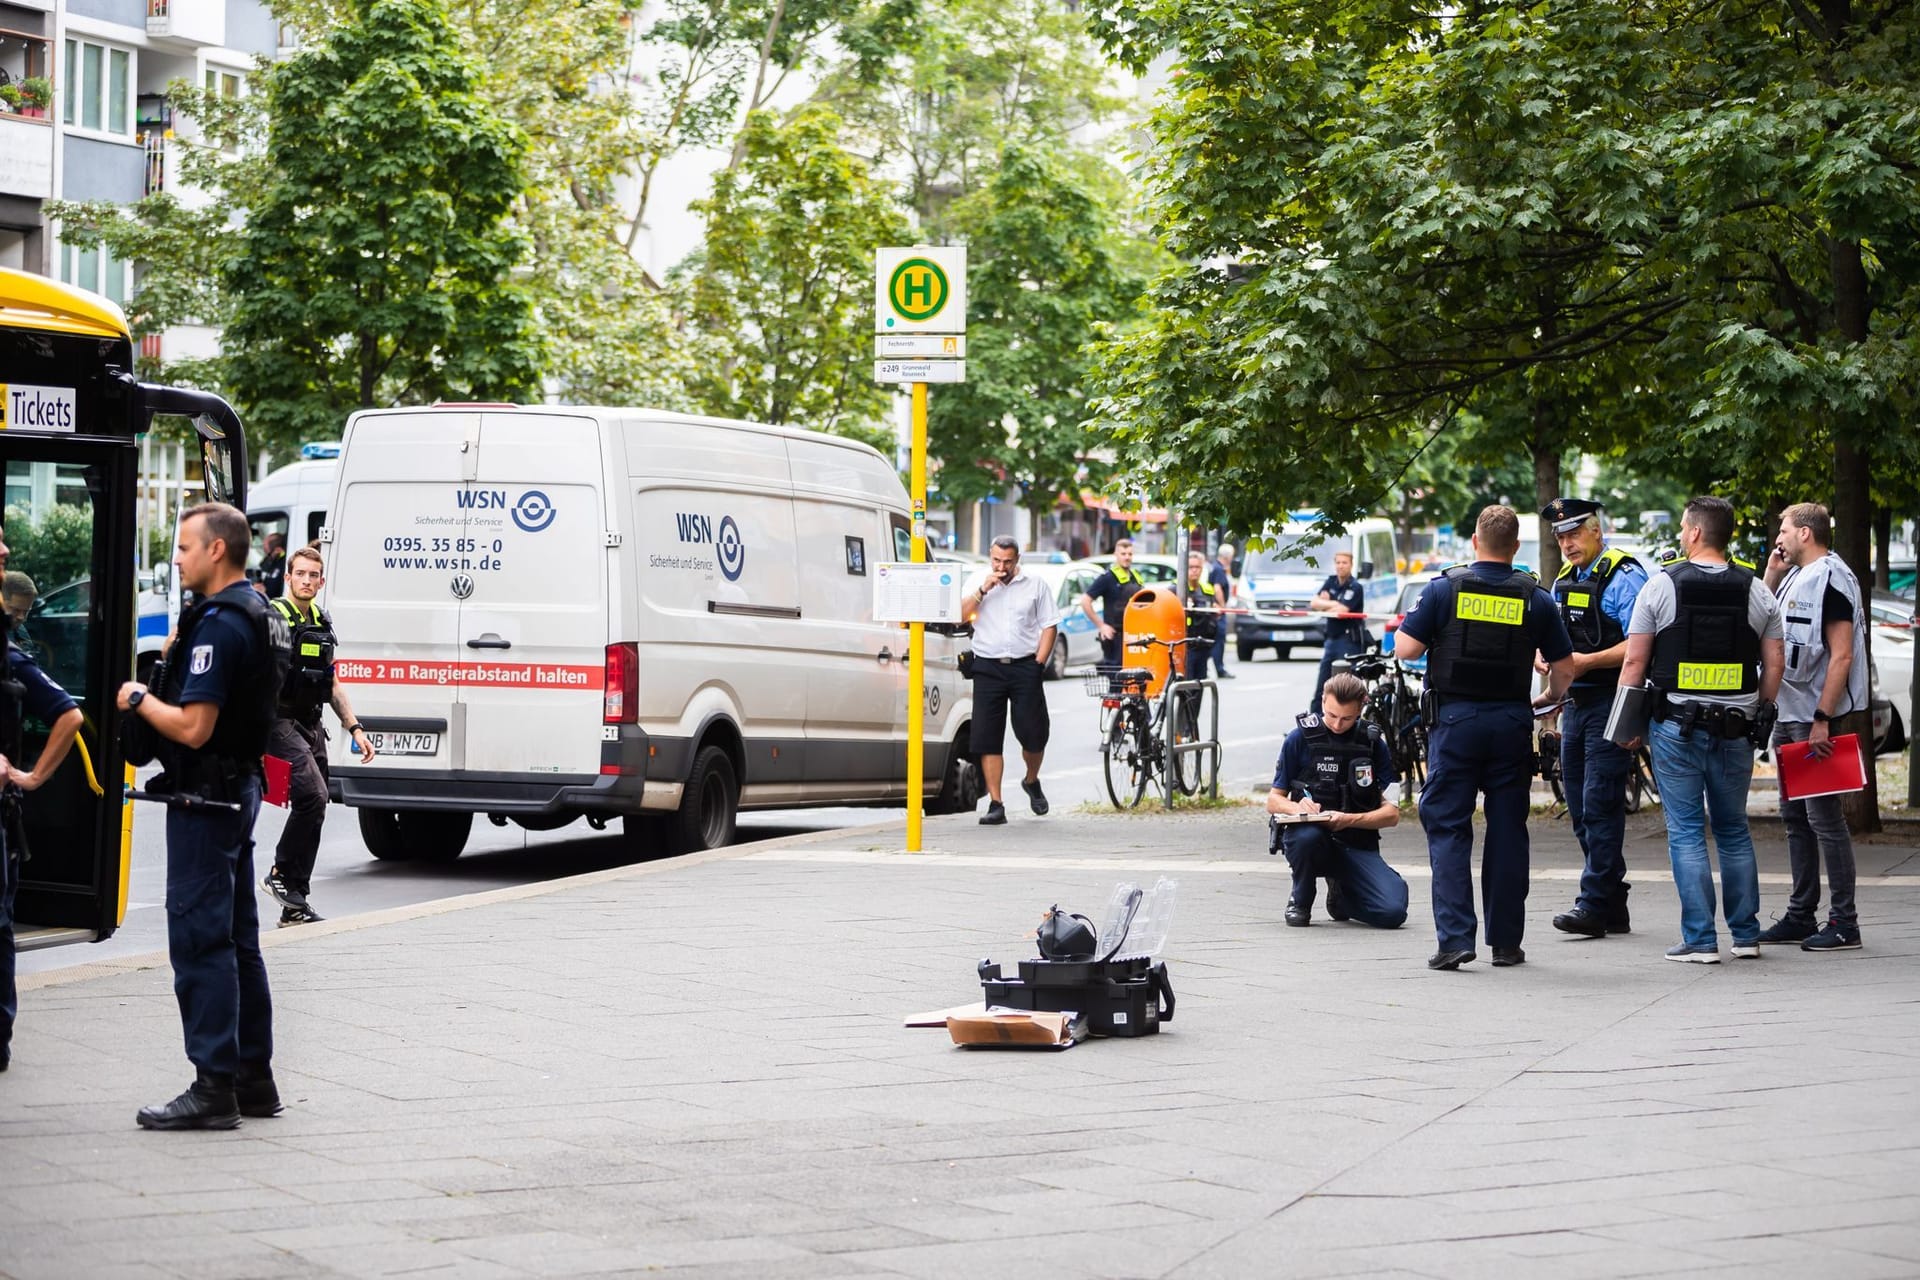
508, 675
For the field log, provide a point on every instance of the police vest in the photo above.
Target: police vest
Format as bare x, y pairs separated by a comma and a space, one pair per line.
1340, 775
1803, 597
246, 719
1483, 649
1709, 648
1205, 624
1114, 605
1591, 627
309, 682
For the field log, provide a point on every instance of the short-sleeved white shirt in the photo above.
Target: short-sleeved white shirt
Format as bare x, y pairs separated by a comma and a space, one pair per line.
1653, 612
1012, 616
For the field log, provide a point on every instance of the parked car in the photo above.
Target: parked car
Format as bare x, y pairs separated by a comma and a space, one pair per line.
1078, 640
1892, 669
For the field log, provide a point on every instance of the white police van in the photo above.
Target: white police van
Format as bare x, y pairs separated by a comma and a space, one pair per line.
1277, 583
293, 500
548, 613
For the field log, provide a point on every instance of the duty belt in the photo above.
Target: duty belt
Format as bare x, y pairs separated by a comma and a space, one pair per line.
1721, 721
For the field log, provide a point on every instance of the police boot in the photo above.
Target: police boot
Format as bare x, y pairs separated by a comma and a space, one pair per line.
208, 1103
258, 1096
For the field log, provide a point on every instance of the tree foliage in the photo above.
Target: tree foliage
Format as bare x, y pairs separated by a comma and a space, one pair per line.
374, 263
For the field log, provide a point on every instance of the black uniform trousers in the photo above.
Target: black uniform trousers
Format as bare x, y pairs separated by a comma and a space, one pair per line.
1479, 749
9, 997
213, 936
304, 748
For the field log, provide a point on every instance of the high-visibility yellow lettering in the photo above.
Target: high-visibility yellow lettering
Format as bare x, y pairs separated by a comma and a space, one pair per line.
1579, 599
1710, 677
1473, 607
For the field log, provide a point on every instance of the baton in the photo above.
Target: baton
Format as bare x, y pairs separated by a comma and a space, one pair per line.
174, 800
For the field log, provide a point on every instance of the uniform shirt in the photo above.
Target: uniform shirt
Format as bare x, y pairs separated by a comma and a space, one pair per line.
1544, 625
1292, 765
1653, 612
216, 655
1222, 581
1352, 598
1113, 596
1012, 616
1617, 601
41, 699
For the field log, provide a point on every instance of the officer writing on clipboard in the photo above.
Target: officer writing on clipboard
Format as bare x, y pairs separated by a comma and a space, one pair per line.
211, 716
25, 691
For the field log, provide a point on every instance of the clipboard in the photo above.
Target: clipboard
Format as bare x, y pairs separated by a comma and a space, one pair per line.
1295, 819
1632, 710
1802, 777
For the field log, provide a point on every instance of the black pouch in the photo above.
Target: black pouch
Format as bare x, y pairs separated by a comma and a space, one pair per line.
1064, 936
965, 663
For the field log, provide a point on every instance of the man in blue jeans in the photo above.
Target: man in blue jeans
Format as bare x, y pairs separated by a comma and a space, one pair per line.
1706, 634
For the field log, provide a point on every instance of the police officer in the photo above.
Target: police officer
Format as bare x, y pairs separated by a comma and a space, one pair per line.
1205, 601
213, 717
299, 739
1335, 765
1340, 593
1706, 633
1112, 589
24, 692
1596, 590
1481, 624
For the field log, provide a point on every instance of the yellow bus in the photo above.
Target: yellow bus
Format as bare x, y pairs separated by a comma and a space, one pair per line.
71, 417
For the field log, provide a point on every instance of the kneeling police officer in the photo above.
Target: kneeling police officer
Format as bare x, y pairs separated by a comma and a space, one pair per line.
210, 717
1335, 765
299, 739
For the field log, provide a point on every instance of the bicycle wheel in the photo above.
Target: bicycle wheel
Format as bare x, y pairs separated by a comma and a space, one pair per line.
1413, 756
1121, 756
1188, 770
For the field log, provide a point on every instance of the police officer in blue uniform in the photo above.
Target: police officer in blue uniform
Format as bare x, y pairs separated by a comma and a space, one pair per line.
1481, 625
212, 713
1112, 589
1335, 765
1595, 591
25, 693
1206, 605
1340, 593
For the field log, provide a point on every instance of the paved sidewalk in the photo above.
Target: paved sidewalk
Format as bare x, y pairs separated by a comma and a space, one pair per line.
697, 1068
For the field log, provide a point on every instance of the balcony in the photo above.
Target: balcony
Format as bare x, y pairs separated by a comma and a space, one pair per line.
187, 23
26, 157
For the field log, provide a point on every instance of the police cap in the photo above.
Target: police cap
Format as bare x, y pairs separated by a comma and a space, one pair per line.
1567, 514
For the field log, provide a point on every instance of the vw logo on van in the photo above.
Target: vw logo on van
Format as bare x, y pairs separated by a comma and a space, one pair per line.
729, 550
462, 586
534, 512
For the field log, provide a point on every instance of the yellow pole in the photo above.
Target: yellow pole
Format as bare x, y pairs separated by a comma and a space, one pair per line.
917, 632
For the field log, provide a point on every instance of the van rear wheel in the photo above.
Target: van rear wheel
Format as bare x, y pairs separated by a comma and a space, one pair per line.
705, 819
380, 829
414, 835
960, 786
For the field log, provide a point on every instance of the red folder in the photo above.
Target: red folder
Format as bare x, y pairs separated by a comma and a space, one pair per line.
280, 780
1802, 776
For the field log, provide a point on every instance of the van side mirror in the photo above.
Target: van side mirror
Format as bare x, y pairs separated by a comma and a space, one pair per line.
1366, 568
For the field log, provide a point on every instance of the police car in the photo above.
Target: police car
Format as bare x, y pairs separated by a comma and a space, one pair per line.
1278, 582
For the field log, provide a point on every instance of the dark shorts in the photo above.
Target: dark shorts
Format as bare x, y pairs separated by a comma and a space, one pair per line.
998, 686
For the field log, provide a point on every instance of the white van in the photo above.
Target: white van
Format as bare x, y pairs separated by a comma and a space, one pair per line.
292, 501
1276, 583
547, 613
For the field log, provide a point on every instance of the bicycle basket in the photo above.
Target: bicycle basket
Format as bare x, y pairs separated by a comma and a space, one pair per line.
1117, 684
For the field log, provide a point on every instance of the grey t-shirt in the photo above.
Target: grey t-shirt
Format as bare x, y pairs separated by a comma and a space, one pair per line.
1653, 612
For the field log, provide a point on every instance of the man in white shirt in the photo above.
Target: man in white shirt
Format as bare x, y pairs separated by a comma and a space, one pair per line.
1014, 622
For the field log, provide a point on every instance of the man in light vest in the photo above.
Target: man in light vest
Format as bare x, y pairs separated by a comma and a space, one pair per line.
1824, 626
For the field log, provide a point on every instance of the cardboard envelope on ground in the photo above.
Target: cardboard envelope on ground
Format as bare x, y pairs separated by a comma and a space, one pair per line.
1013, 1028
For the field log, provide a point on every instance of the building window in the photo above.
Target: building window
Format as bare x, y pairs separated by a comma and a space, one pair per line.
224, 83
98, 93
97, 271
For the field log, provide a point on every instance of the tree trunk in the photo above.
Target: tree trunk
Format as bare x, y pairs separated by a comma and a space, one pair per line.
1882, 547
1852, 476
1546, 487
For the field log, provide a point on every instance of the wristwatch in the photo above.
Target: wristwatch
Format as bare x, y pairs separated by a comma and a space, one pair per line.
135, 698
353, 728
1821, 717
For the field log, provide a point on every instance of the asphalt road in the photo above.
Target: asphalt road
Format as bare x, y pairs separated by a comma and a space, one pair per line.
1256, 711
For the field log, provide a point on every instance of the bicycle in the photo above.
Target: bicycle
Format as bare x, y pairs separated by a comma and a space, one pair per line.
1641, 786
1133, 728
1393, 705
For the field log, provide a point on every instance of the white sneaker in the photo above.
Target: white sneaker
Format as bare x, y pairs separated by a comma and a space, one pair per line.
1746, 950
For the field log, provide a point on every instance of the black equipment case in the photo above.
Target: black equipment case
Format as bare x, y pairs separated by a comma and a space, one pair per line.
1127, 997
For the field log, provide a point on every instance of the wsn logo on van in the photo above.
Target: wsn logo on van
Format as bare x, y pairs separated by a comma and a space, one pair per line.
534, 512
729, 548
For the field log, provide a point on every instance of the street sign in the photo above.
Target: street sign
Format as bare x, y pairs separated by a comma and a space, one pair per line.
916, 592
920, 371
918, 346
920, 290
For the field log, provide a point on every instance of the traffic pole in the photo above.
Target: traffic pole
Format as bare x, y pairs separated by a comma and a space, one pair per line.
917, 632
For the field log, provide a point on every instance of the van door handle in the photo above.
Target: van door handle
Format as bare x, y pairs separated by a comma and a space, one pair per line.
489, 641
885, 656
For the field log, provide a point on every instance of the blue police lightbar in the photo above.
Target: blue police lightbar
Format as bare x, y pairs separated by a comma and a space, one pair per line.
319, 450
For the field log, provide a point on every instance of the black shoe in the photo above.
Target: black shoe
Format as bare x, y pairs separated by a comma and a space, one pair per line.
1580, 920
1788, 929
995, 816
1337, 901
256, 1093
1619, 921
6, 1056
1450, 960
283, 893
1298, 916
208, 1103
299, 915
1035, 797
1835, 937
1225, 675
1507, 957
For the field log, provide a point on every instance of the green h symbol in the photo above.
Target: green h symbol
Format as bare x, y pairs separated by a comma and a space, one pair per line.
917, 289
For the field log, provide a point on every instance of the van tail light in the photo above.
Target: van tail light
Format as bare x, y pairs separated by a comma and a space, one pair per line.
620, 693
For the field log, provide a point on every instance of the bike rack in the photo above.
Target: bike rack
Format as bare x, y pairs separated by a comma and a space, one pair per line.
1209, 691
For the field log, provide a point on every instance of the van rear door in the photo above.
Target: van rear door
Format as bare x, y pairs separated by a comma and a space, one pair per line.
394, 585
533, 634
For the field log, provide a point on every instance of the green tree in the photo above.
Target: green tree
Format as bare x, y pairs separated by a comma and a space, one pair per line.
374, 263
1044, 278
784, 287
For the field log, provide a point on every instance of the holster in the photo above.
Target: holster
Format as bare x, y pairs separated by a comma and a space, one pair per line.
208, 776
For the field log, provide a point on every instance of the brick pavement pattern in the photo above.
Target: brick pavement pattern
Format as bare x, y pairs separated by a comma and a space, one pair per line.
697, 1068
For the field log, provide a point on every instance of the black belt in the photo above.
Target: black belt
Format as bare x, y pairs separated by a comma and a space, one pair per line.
1721, 721
1004, 661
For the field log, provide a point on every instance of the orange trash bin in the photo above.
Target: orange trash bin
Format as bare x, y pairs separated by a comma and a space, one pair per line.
1155, 614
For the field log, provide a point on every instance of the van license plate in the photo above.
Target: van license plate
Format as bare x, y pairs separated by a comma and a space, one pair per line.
405, 744
1289, 635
